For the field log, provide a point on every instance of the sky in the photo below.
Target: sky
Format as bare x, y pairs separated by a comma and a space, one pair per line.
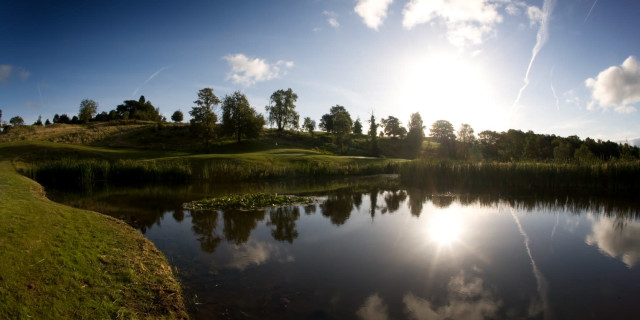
553, 67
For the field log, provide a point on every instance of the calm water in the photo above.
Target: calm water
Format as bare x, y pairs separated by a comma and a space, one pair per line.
375, 250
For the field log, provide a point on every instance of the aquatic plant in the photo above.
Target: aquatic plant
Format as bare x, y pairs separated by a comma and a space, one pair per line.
250, 201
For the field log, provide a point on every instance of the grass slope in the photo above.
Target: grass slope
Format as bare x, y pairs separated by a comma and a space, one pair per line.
61, 262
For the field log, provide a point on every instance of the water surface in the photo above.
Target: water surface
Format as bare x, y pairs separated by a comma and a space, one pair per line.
377, 250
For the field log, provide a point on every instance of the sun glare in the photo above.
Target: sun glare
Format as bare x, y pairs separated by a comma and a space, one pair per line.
445, 228
448, 86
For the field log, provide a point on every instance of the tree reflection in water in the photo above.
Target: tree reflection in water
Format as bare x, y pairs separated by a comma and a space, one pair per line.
284, 220
239, 224
205, 223
393, 199
338, 207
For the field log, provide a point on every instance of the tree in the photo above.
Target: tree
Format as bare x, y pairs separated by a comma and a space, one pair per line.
373, 135
416, 133
102, 117
177, 116
309, 125
357, 127
46, 123
204, 116
583, 155
139, 110
0, 115
442, 132
327, 121
38, 122
342, 127
281, 109
56, 118
16, 121
239, 118
393, 127
64, 118
88, 109
466, 141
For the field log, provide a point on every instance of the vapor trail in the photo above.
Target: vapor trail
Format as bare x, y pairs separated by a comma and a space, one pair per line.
135, 92
542, 284
553, 90
589, 14
541, 39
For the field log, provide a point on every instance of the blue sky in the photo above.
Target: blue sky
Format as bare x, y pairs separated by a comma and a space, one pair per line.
460, 60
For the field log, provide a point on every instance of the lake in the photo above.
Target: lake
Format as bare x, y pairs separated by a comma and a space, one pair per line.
373, 249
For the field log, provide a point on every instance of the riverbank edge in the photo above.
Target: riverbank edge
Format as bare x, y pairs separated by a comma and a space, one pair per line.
63, 262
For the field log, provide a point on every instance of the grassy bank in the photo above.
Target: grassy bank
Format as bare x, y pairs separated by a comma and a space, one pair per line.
622, 178
65, 263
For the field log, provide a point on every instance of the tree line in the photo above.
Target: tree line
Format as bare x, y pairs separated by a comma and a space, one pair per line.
241, 121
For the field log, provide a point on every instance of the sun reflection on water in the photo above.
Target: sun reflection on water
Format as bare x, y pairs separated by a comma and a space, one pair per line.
445, 228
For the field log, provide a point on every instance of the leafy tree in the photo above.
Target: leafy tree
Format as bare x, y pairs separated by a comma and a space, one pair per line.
88, 109
177, 116
139, 110
416, 133
75, 120
466, 141
38, 122
373, 135
488, 141
204, 116
0, 115
584, 155
102, 117
113, 115
46, 123
327, 121
239, 118
282, 109
309, 125
64, 118
442, 132
16, 121
393, 127
357, 127
56, 118
342, 127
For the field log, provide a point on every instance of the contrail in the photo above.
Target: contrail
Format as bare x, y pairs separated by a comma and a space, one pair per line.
553, 90
541, 39
135, 92
589, 14
543, 285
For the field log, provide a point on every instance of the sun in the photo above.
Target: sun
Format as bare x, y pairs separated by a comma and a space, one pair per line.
448, 86
445, 228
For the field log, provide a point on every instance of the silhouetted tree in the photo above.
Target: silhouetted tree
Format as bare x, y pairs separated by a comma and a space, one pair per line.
38, 122
281, 110
466, 140
415, 137
357, 127
177, 116
442, 132
102, 117
203, 123
88, 109
393, 127
373, 135
16, 121
239, 118
309, 125
64, 118
238, 225
46, 123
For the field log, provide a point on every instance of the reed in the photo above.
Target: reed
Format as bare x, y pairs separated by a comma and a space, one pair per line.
612, 177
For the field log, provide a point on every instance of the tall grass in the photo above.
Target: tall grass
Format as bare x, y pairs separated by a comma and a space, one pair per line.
70, 172
618, 177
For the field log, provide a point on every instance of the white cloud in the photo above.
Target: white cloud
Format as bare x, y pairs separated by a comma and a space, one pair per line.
247, 71
256, 253
373, 308
617, 239
535, 16
467, 300
616, 87
6, 71
373, 12
332, 18
467, 21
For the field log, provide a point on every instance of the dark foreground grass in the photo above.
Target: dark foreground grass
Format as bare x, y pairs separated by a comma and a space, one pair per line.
57, 262
621, 178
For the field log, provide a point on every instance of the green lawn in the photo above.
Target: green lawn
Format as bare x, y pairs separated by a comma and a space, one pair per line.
64, 263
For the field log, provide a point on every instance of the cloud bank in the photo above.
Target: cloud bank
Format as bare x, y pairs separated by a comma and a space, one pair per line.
372, 12
616, 87
248, 71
